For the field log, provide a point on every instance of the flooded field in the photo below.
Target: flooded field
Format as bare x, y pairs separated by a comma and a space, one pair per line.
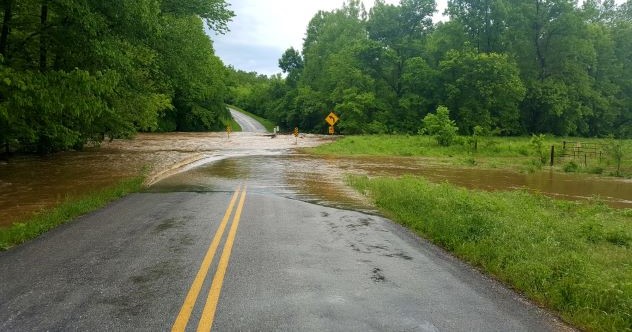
211, 162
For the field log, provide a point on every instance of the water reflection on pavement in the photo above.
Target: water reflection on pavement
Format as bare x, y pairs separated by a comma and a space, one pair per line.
321, 180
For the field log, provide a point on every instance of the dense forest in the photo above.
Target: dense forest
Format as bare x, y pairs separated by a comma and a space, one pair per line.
79, 71
504, 67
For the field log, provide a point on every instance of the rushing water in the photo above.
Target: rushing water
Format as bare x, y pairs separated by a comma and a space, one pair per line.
28, 184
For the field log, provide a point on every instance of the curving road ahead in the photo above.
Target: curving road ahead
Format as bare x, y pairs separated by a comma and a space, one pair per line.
247, 123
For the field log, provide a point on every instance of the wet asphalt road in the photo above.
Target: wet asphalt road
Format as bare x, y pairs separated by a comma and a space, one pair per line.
278, 263
247, 123
294, 266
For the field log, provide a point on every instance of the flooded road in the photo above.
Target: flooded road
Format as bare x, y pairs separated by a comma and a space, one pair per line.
211, 162
321, 179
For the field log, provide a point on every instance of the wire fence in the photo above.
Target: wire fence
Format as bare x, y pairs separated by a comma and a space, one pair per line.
582, 152
597, 158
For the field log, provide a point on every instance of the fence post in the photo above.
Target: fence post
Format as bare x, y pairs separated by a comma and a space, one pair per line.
552, 154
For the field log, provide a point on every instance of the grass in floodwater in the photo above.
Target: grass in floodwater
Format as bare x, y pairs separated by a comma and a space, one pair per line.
491, 152
575, 258
72, 208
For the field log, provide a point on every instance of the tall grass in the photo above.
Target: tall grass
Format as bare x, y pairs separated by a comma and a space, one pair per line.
71, 208
575, 258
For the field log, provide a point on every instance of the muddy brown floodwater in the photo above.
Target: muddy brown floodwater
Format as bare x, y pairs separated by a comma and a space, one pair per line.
30, 184
211, 162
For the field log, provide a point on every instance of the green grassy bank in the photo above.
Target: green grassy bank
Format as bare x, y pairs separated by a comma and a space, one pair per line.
491, 152
575, 258
269, 125
234, 126
66, 211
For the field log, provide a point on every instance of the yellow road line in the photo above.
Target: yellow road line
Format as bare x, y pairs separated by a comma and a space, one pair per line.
208, 315
187, 307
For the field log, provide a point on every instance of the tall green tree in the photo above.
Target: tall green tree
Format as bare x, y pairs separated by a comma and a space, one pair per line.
76, 71
484, 90
291, 62
484, 22
549, 38
504, 66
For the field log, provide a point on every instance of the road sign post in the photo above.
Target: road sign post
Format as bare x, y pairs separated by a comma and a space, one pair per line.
295, 135
332, 119
229, 130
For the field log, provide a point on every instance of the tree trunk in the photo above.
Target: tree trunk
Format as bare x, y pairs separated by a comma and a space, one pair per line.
43, 36
6, 24
538, 26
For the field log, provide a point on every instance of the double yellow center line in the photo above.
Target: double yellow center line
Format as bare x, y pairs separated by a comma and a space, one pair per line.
208, 314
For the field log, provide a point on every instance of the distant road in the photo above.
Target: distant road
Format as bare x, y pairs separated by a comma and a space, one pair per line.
247, 123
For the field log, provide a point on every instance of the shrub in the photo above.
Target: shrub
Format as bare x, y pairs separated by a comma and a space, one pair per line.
537, 144
571, 167
440, 126
615, 150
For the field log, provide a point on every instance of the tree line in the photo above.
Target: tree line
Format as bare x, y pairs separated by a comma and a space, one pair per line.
504, 67
79, 71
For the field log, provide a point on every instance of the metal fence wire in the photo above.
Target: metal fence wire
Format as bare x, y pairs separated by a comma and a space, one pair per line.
583, 151
585, 154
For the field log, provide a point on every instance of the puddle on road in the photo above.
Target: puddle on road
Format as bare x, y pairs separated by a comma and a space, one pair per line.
321, 180
293, 176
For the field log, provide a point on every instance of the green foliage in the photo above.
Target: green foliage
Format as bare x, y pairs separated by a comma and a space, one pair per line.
615, 151
484, 90
538, 148
572, 257
512, 67
197, 84
74, 72
215, 13
291, 63
440, 126
571, 167
476, 134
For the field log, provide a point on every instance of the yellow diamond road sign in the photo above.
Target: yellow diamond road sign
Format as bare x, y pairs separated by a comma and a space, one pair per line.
332, 118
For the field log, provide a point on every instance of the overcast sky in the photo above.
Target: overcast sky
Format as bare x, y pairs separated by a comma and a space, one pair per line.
263, 29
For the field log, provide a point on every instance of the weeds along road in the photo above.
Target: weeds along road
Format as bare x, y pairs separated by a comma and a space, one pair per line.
240, 256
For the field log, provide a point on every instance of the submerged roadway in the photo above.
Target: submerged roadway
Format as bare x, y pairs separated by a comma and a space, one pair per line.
241, 257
